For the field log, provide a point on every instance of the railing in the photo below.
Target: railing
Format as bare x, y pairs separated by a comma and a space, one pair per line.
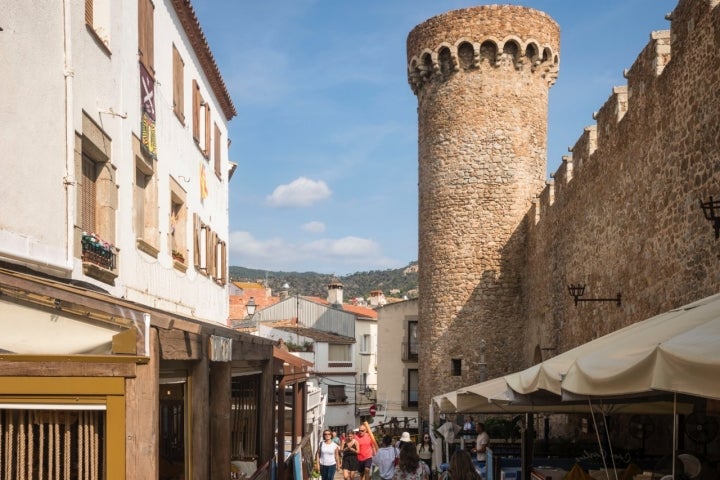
262, 473
410, 398
98, 254
410, 351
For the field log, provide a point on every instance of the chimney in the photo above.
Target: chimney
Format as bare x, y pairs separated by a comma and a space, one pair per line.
335, 292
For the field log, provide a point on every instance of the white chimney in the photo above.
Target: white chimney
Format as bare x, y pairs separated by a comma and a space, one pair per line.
335, 293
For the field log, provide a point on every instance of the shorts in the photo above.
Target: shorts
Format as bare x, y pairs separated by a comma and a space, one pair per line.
363, 464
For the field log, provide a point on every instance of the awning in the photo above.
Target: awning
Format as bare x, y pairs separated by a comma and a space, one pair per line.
631, 370
677, 351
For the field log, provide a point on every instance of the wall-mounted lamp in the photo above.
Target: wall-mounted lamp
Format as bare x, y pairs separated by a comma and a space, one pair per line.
251, 306
711, 209
577, 291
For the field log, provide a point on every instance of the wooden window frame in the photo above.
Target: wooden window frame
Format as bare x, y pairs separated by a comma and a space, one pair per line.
146, 34
178, 85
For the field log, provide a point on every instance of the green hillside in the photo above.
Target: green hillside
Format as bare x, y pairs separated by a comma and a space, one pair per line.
397, 282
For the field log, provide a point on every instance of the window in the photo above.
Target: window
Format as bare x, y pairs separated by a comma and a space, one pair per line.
178, 224
178, 86
365, 344
97, 18
336, 394
218, 153
338, 353
412, 340
456, 367
201, 121
210, 252
97, 198
146, 33
145, 218
413, 382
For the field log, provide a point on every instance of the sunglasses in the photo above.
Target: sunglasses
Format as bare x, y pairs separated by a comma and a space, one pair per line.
362, 431
327, 433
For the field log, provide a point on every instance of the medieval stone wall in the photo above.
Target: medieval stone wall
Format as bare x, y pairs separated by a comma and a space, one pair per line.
482, 77
622, 214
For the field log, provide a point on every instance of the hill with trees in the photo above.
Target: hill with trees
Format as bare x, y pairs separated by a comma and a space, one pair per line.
397, 282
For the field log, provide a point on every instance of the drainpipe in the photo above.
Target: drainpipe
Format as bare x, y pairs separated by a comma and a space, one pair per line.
69, 180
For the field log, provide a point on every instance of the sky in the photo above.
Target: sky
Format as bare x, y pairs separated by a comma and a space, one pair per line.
326, 133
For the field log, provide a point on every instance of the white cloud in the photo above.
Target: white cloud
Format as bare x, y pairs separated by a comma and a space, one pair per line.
314, 227
301, 192
347, 254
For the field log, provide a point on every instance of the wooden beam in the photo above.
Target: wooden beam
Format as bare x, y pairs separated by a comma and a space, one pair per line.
66, 369
180, 345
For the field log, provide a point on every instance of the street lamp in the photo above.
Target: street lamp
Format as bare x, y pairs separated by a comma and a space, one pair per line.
251, 306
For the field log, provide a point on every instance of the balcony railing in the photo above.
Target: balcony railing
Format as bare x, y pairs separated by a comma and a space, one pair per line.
98, 253
410, 398
410, 351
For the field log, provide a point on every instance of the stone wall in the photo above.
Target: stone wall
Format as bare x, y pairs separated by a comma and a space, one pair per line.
622, 214
482, 77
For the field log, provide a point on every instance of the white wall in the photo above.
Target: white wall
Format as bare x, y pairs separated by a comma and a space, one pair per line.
38, 148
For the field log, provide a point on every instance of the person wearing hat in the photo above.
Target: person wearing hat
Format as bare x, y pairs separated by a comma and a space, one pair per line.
404, 438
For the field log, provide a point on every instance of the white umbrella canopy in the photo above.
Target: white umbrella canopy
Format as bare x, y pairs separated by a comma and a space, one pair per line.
677, 351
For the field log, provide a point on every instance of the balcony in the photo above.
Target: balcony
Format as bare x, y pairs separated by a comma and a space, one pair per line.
99, 258
410, 351
410, 399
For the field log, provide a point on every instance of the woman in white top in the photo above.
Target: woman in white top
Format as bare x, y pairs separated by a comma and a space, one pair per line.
328, 456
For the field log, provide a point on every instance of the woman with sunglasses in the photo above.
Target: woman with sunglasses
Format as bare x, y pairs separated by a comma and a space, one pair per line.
349, 456
425, 450
328, 456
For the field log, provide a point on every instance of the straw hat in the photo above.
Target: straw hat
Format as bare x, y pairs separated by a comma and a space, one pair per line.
405, 437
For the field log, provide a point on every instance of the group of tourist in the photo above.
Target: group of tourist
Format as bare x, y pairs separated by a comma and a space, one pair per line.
358, 452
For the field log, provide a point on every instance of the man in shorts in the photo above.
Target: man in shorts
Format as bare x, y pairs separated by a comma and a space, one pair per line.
366, 453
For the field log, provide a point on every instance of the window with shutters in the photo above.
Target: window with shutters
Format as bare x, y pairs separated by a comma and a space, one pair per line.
97, 203
146, 33
178, 85
178, 226
218, 153
145, 203
210, 252
97, 19
201, 121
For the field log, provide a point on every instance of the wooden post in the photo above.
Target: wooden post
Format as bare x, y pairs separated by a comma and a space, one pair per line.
198, 413
220, 404
142, 397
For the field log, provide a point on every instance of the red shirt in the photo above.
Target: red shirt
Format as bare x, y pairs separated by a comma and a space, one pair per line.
366, 446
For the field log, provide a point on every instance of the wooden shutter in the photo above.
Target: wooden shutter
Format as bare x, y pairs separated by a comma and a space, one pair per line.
207, 131
89, 12
146, 33
218, 152
196, 111
196, 240
178, 87
88, 195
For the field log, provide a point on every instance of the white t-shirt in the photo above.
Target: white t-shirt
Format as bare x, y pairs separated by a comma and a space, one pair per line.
482, 439
327, 453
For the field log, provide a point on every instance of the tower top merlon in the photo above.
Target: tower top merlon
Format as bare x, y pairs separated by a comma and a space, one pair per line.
462, 40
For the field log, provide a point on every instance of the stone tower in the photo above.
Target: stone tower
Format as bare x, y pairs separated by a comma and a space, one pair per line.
481, 76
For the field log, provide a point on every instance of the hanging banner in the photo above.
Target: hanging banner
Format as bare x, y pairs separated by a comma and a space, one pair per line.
147, 123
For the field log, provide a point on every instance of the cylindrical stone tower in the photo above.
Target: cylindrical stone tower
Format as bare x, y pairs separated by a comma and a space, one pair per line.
482, 77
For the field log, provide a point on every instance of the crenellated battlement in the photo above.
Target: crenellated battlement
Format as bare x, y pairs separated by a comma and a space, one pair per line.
490, 39
445, 60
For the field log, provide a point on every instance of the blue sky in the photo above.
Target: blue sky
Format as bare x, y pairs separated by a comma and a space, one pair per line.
326, 133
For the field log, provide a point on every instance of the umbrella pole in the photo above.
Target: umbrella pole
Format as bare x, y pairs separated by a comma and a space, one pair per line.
600, 445
675, 431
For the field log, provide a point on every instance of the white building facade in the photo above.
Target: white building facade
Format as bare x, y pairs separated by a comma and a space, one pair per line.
116, 151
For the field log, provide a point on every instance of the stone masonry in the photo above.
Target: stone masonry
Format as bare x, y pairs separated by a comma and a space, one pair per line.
621, 215
482, 77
